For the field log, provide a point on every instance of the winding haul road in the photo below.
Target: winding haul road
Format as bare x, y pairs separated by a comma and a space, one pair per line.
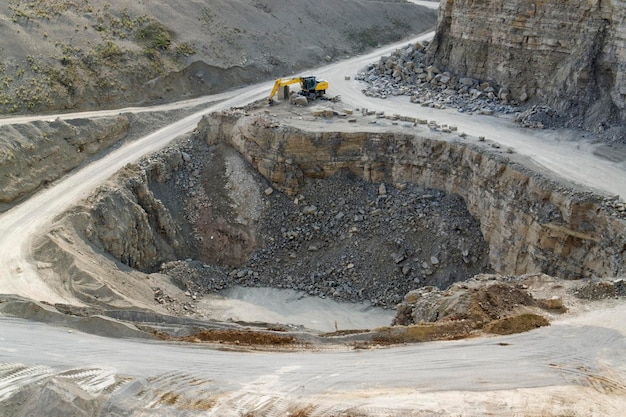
567, 369
574, 367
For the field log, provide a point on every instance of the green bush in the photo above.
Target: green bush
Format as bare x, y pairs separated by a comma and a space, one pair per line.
155, 36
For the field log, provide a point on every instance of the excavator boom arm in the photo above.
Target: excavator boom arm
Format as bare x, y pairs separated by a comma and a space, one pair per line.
283, 82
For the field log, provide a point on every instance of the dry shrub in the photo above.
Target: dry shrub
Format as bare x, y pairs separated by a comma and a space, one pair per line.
516, 324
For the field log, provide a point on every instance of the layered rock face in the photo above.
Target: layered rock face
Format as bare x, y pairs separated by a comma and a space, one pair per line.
530, 223
131, 224
570, 54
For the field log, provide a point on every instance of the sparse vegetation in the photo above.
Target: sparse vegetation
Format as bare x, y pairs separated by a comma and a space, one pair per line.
155, 36
37, 82
207, 16
26, 10
109, 51
185, 49
84, 44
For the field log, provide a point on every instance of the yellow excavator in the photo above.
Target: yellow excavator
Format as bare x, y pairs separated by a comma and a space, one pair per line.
311, 87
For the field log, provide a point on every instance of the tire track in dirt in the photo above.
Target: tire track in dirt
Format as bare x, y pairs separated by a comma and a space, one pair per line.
14, 376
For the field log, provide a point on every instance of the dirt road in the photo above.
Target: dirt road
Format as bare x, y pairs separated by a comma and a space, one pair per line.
566, 369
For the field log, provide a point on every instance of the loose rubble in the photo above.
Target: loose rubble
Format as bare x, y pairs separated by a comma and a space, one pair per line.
601, 289
356, 241
539, 117
406, 72
341, 238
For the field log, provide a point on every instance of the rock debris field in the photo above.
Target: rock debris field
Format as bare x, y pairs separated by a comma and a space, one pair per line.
342, 237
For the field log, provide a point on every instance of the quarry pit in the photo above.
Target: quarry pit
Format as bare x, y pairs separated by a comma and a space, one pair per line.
450, 235
286, 260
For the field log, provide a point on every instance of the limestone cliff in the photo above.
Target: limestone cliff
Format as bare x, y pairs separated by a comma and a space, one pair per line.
569, 54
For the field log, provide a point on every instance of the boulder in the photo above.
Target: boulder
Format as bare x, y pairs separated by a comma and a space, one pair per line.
301, 101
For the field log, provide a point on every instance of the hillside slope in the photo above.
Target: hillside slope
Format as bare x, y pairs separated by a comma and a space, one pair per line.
63, 54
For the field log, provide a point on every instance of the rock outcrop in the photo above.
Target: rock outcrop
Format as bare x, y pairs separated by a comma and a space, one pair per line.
479, 300
531, 223
569, 54
131, 224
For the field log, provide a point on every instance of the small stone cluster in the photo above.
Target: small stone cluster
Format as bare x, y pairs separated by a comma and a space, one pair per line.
615, 206
406, 72
601, 289
171, 304
539, 117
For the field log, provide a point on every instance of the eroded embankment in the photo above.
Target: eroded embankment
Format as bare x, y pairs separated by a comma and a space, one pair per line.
35, 154
38, 153
530, 223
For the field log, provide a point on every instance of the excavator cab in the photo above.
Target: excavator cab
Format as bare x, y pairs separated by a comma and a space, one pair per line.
309, 83
313, 88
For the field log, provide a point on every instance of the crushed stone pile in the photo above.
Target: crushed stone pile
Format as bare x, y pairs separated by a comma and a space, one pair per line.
539, 117
357, 241
407, 72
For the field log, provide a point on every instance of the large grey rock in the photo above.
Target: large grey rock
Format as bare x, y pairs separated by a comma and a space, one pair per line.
301, 101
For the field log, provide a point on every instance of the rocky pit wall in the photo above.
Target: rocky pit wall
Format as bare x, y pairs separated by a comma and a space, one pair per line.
530, 223
570, 54
200, 215
148, 223
127, 230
